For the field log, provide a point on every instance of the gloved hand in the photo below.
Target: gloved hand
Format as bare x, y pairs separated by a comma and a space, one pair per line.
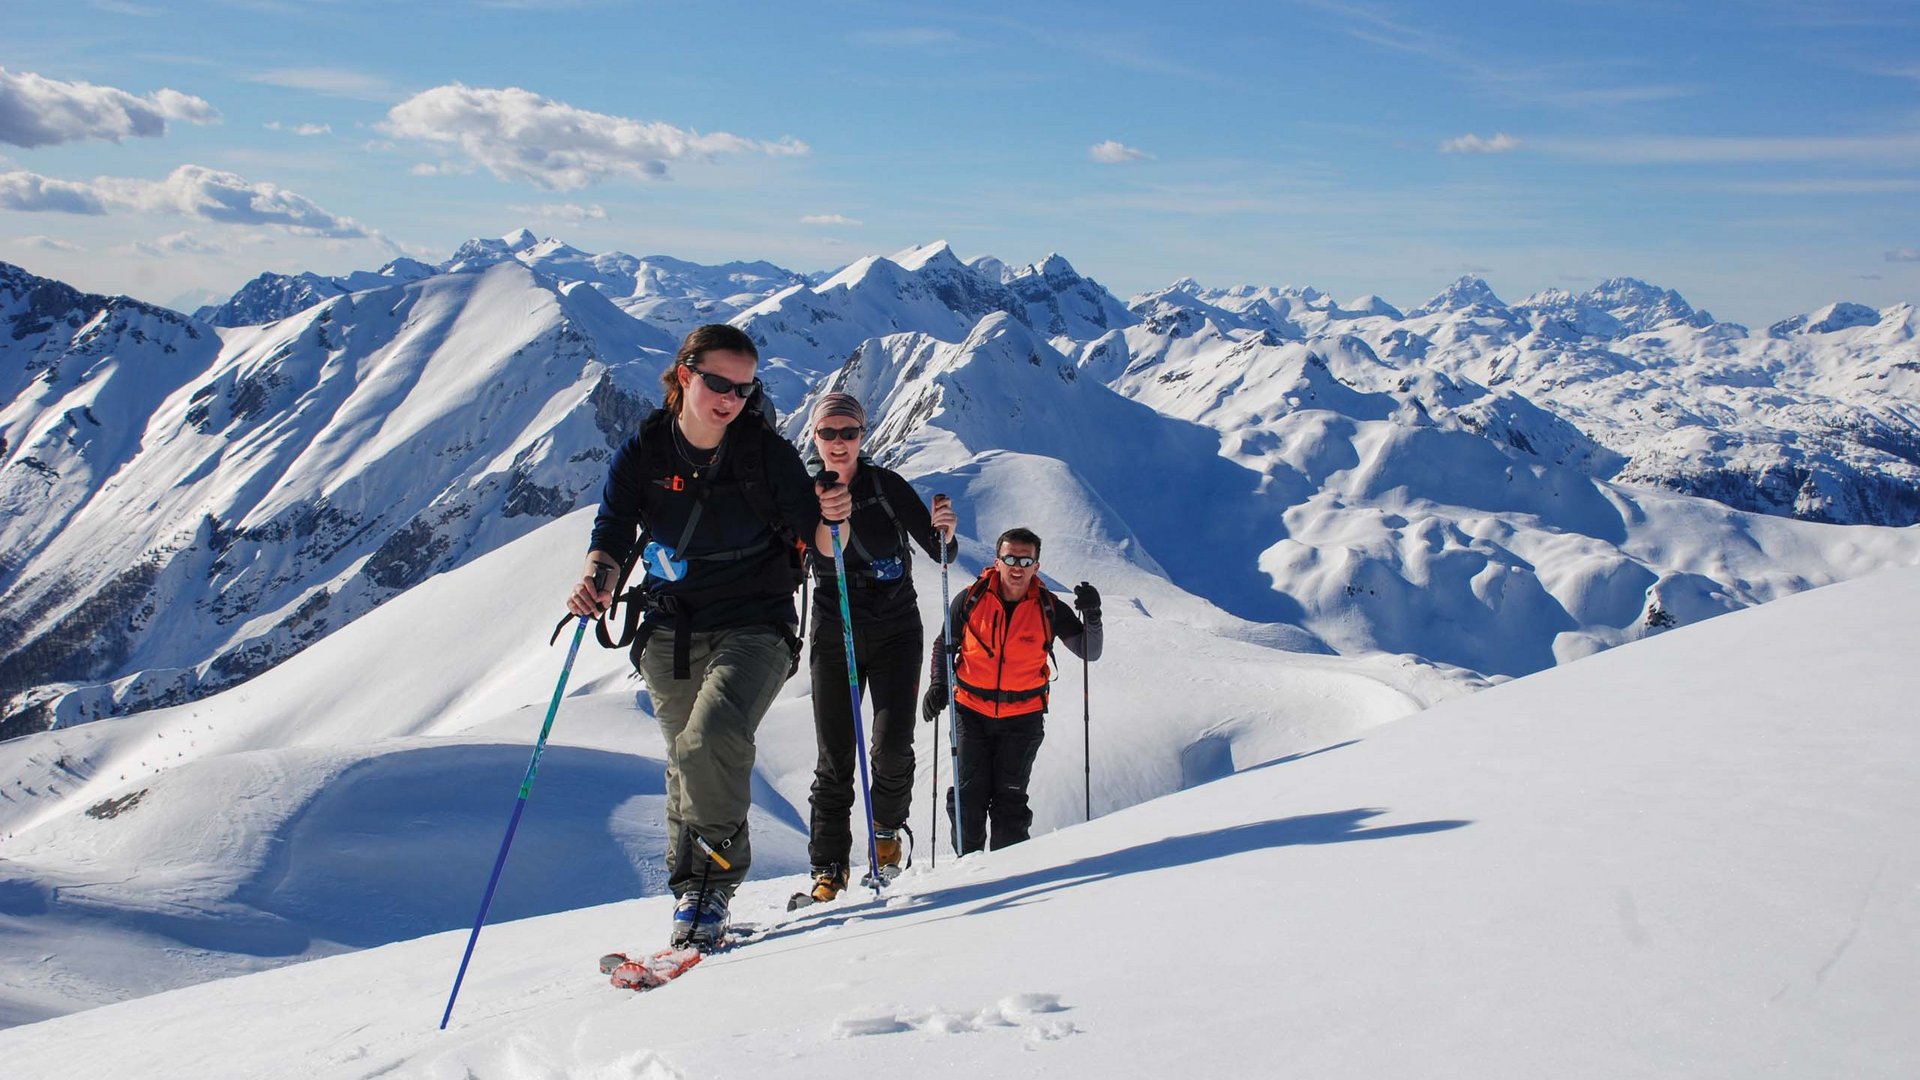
934, 702
1086, 599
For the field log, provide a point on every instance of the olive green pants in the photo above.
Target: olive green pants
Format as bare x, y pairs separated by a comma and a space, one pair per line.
709, 720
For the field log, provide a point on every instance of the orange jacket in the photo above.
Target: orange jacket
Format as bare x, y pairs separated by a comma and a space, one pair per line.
1002, 666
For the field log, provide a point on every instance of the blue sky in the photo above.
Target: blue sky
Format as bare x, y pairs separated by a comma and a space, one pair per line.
1761, 157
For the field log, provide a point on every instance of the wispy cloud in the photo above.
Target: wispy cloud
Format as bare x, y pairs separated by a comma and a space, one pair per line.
1905, 254
48, 243
189, 191
572, 213
518, 135
1500, 143
330, 81
1115, 152
1718, 149
1507, 78
300, 129
38, 111
1826, 186
830, 219
908, 37
180, 243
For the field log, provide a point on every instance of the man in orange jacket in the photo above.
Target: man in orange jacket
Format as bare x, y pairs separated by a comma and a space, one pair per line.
1006, 623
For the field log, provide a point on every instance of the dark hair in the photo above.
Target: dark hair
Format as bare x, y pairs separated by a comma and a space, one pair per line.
1019, 534
712, 337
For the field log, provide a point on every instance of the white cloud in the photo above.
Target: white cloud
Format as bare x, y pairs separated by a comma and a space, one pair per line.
1905, 254
519, 135
300, 129
829, 219
189, 191
1501, 143
333, 82
1115, 152
570, 212
38, 111
32, 193
48, 243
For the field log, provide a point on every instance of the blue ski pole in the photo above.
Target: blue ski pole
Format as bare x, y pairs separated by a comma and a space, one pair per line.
513, 822
853, 687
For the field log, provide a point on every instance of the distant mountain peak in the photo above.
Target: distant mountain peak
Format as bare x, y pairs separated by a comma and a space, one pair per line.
1466, 292
1837, 316
938, 253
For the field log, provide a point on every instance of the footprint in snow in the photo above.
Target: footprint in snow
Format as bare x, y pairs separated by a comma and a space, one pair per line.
1028, 1013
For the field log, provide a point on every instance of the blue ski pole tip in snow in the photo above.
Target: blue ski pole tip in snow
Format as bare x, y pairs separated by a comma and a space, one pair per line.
513, 822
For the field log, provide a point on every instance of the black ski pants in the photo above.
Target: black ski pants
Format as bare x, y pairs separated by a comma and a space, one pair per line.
996, 761
890, 655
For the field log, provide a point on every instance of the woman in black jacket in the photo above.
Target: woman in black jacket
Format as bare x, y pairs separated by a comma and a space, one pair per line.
885, 518
723, 502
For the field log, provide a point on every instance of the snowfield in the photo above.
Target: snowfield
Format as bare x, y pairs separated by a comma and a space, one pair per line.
1690, 856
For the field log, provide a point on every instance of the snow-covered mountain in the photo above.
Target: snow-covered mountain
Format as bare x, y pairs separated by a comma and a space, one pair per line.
1816, 419
1334, 476
925, 290
270, 296
1690, 855
189, 509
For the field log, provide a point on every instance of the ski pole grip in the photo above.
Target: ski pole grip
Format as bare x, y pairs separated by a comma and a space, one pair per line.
830, 479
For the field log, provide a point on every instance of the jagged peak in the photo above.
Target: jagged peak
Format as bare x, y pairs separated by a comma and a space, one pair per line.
921, 256
1054, 265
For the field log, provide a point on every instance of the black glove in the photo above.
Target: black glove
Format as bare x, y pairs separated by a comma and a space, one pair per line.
1086, 599
934, 703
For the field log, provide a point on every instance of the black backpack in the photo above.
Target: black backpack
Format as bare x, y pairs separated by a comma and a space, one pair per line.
750, 471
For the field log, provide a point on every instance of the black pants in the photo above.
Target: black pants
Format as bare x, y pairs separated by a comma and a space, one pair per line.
996, 761
890, 656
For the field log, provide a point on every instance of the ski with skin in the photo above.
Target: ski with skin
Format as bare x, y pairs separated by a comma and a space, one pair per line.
650, 971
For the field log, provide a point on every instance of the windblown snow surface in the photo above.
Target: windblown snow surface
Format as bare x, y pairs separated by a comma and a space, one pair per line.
1689, 856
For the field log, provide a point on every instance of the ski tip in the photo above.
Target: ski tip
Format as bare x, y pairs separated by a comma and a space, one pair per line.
799, 900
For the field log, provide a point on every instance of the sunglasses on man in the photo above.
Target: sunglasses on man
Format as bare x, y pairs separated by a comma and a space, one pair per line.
721, 385
1021, 561
830, 434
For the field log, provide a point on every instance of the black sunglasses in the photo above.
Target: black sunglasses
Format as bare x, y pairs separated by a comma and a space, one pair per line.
720, 385
1022, 561
829, 434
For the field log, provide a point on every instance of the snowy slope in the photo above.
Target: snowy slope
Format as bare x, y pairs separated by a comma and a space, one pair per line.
1690, 856
258, 826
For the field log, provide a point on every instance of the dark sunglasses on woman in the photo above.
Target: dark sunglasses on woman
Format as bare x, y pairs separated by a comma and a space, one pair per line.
830, 434
1022, 561
720, 385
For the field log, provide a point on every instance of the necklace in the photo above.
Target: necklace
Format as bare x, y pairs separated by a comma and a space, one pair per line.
687, 451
